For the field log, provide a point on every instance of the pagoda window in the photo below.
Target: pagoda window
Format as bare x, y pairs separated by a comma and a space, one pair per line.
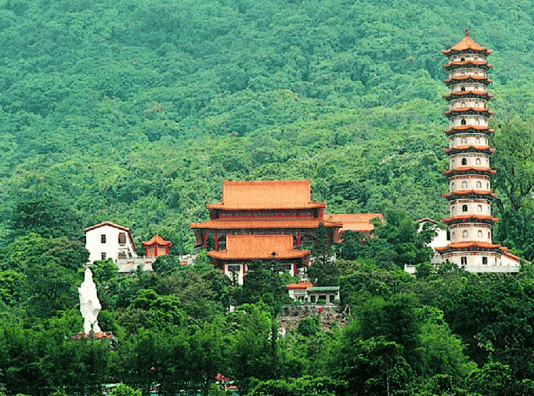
462, 89
464, 161
487, 186
476, 104
453, 235
484, 261
479, 208
464, 184
463, 105
452, 186
464, 141
465, 234
479, 233
463, 260
464, 208
477, 161
477, 140
489, 234
479, 184
477, 120
463, 122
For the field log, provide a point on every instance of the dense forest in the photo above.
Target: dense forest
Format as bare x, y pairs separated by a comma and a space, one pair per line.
135, 111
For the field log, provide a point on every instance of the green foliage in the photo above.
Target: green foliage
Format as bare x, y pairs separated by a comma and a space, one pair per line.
124, 390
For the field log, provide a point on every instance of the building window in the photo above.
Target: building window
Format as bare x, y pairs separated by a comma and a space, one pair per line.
103, 239
463, 260
484, 261
465, 234
122, 238
464, 208
464, 184
479, 184
479, 233
463, 122
462, 89
464, 140
477, 161
464, 161
489, 235
479, 208
477, 140
103, 255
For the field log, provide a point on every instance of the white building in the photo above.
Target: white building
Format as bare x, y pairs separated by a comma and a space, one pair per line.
109, 241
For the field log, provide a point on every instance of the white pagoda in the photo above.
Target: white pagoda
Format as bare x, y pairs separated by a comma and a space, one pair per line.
470, 196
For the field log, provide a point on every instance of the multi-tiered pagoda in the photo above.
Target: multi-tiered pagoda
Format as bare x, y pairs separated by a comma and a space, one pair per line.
470, 196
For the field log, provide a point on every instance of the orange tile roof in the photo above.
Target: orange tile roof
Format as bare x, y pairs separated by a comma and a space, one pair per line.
467, 147
467, 44
467, 62
463, 245
462, 93
259, 247
359, 222
512, 256
468, 77
298, 286
467, 192
467, 127
466, 109
473, 216
157, 240
469, 168
223, 224
276, 194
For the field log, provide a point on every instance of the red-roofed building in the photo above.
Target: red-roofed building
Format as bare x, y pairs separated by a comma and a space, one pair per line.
280, 207
242, 249
355, 222
470, 196
156, 246
256, 218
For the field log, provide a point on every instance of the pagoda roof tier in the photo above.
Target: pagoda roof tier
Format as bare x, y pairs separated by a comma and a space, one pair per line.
276, 194
468, 110
466, 45
259, 247
468, 129
468, 78
469, 149
462, 170
157, 240
471, 246
295, 224
471, 218
356, 222
468, 63
468, 94
486, 194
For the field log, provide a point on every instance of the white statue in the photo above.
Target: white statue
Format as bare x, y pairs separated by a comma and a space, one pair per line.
89, 304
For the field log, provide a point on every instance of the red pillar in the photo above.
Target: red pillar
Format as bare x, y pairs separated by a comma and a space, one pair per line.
295, 270
205, 238
298, 238
244, 269
216, 242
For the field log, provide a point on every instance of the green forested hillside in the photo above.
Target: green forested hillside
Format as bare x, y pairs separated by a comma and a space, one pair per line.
135, 111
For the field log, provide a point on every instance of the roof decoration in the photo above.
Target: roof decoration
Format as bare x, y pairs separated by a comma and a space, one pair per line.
467, 45
157, 240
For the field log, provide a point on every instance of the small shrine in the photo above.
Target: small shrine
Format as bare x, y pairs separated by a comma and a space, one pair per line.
156, 246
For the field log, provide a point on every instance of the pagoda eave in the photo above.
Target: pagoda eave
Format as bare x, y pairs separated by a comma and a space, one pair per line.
470, 219
457, 65
468, 129
474, 94
469, 194
455, 80
471, 247
469, 170
468, 110
468, 149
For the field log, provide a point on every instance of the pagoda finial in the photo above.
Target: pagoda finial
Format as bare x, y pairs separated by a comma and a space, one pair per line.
466, 32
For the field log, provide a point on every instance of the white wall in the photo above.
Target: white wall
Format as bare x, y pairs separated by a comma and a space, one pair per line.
111, 247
